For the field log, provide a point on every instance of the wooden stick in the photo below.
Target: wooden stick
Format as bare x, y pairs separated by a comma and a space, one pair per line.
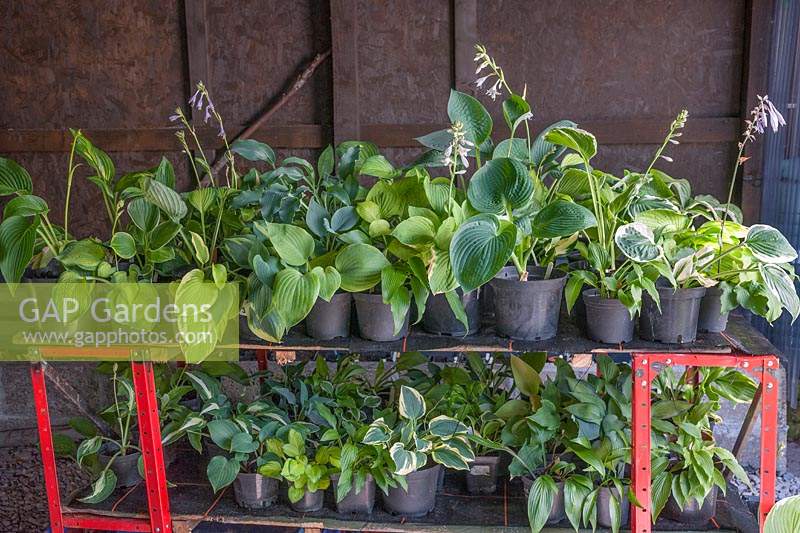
285, 97
69, 392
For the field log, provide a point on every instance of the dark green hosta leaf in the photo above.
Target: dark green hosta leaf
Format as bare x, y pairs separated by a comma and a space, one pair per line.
457, 307
514, 148
253, 150
561, 218
526, 378
471, 113
576, 489
515, 108
543, 150
85, 254
164, 198
292, 243
123, 245
437, 140
637, 242
294, 294
25, 206
480, 248
769, 245
97, 159
360, 267
326, 162
102, 487
576, 139
202, 199
163, 234
221, 471
411, 405
500, 184
13, 178
17, 238
660, 493
540, 501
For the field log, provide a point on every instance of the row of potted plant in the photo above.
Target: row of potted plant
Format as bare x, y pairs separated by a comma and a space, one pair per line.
534, 220
312, 428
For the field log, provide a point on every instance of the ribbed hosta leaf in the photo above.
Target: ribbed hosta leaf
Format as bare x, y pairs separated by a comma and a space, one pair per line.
415, 231
561, 218
785, 516
514, 148
360, 266
292, 243
499, 184
542, 149
164, 198
13, 178
329, 281
637, 242
665, 220
143, 214
781, 285
294, 294
17, 236
26, 205
575, 139
769, 245
480, 248
471, 113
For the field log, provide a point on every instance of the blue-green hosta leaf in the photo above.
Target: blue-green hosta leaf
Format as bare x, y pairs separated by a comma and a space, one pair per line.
769, 245
514, 148
13, 178
292, 243
221, 471
294, 294
471, 113
17, 238
343, 219
637, 242
540, 501
500, 184
576, 139
480, 248
25, 206
415, 231
360, 267
253, 150
437, 140
411, 404
164, 198
561, 218
123, 245
329, 281
781, 285
102, 487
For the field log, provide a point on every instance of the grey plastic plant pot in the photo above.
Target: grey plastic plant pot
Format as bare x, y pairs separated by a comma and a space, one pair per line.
607, 319
328, 320
440, 480
254, 491
604, 507
309, 503
355, 502
420, 499
125, 467
527, 310
692, 513
375, 321
482, 474
711, 318
677, 321
441, 320
557, 511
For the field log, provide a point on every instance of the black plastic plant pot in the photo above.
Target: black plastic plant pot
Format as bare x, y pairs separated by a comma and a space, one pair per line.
604, 507
375, 321
607, 319
420, 499
711, 318
355, 502
254, 491
557, 511
482, 475
692, 513
125, 467
441, 320
310, 502
677, 321
328, 320
527, 310
578, 312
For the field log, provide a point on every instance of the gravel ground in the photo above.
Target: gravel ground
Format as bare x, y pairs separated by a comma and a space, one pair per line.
23, 500
787, 483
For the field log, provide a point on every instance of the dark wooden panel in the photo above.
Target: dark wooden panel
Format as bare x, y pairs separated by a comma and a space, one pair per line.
404, 61
465, 37
256, 48
196, 47
344, 48
155, 139
90, 64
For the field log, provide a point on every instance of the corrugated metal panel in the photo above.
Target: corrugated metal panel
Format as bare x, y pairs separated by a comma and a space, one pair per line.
781, 172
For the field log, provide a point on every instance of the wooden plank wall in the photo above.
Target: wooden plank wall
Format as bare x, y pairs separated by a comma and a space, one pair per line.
621, 68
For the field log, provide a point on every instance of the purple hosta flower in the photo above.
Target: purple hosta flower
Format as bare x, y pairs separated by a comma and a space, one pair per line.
173, 118
193, 99
209, 111
221, 132
765, 115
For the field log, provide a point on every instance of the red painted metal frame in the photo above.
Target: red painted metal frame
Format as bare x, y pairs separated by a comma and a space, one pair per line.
645, 368
160, 520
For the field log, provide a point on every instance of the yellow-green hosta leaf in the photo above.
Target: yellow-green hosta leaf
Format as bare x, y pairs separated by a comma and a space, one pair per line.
292, 243
360, 267
294, 294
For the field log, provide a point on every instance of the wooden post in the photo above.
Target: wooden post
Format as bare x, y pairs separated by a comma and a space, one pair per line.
344, 47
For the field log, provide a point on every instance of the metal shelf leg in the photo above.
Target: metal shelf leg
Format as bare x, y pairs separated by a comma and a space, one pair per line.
640, 443
769, 437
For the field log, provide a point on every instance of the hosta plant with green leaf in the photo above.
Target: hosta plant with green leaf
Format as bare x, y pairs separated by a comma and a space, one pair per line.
687, 462
413, 442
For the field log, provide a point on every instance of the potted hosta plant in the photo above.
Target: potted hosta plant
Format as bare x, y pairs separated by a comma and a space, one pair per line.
516, 219
418, 449
689, 466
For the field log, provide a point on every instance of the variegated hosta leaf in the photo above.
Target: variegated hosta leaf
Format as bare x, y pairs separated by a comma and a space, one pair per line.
637, 242
781, 285
769, 245
462, 445
411, 404
406, 462
377, 433
449, 457
444, 426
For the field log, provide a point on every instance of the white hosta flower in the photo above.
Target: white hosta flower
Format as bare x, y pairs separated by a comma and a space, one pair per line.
480, 81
